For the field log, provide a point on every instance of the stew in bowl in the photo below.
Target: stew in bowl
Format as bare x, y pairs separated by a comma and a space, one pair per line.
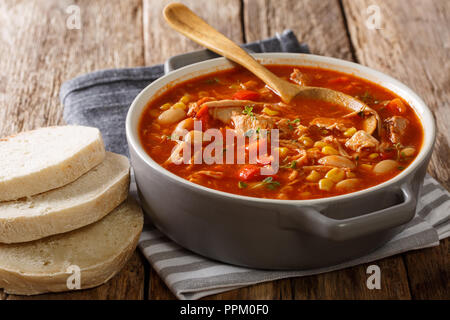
321, 149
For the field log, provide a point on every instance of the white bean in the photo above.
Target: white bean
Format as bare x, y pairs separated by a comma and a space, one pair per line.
337, 161
408, 152
183, 127
385, 166
171, 115
347, 184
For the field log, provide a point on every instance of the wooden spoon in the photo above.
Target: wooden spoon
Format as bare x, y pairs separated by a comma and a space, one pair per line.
182, 19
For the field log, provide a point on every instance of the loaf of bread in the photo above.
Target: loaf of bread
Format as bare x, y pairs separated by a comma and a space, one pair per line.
40, 160
89, 256
75, 205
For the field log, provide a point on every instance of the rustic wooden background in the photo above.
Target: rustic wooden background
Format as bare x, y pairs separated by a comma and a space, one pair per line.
38, 52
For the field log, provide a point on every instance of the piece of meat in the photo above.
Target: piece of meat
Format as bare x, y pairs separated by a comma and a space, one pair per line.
396, 127
224, 114
360, 140
298, 77
285, 127
331, 123
244, 123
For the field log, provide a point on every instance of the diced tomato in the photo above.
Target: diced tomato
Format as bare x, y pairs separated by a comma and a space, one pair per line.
264, 159
203, 110
249, 172
246, 95
203, 100
396, 106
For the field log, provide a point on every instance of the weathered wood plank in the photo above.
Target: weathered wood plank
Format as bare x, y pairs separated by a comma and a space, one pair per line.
128, 284
413, 45
39, 52
429, 271
273, 290
158, 289
320, 24
351, 283
161, 42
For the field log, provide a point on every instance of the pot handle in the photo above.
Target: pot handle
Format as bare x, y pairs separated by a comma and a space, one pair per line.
311, 220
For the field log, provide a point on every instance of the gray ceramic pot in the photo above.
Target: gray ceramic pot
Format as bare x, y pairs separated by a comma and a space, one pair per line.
277, 234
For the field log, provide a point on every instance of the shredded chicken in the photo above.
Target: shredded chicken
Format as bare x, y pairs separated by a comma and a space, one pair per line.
360, 140
244, 123
301, 130
192, 109
397, 127
298, 77
224, 114
331, 123
211, 174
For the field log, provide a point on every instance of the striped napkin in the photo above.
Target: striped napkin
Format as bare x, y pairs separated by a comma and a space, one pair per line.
101, 99
191, 276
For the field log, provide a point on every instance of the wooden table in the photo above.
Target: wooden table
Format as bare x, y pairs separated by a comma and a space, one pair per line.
38, 52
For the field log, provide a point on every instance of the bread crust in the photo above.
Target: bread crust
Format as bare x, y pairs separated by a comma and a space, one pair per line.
23, 228
55, 175
27, 283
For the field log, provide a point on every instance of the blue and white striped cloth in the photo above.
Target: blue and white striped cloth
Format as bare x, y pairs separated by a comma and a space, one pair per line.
190, 276
101, 99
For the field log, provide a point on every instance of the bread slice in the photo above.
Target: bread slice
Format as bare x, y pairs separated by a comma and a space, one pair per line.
100, 250
82, 202
40, 160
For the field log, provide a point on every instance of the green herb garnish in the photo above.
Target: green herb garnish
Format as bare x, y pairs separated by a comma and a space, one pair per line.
270, 184
291, 165
212, 80
248, 110
242, 185
400, 167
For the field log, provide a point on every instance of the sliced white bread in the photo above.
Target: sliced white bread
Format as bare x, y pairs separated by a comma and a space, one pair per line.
36, 161
99, 250
82, 202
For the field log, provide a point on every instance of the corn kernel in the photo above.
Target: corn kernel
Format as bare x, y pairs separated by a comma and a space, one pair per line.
179, 105
165, 106
366, 166
329, 150
350, 174
154, 113
270, 112
326, 184
319, 144
335, 175
350, 132
307, 141
314, 176
185, 99
283, 151
373, 156
203, 94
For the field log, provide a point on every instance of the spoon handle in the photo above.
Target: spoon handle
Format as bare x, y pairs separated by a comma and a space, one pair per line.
182, 19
